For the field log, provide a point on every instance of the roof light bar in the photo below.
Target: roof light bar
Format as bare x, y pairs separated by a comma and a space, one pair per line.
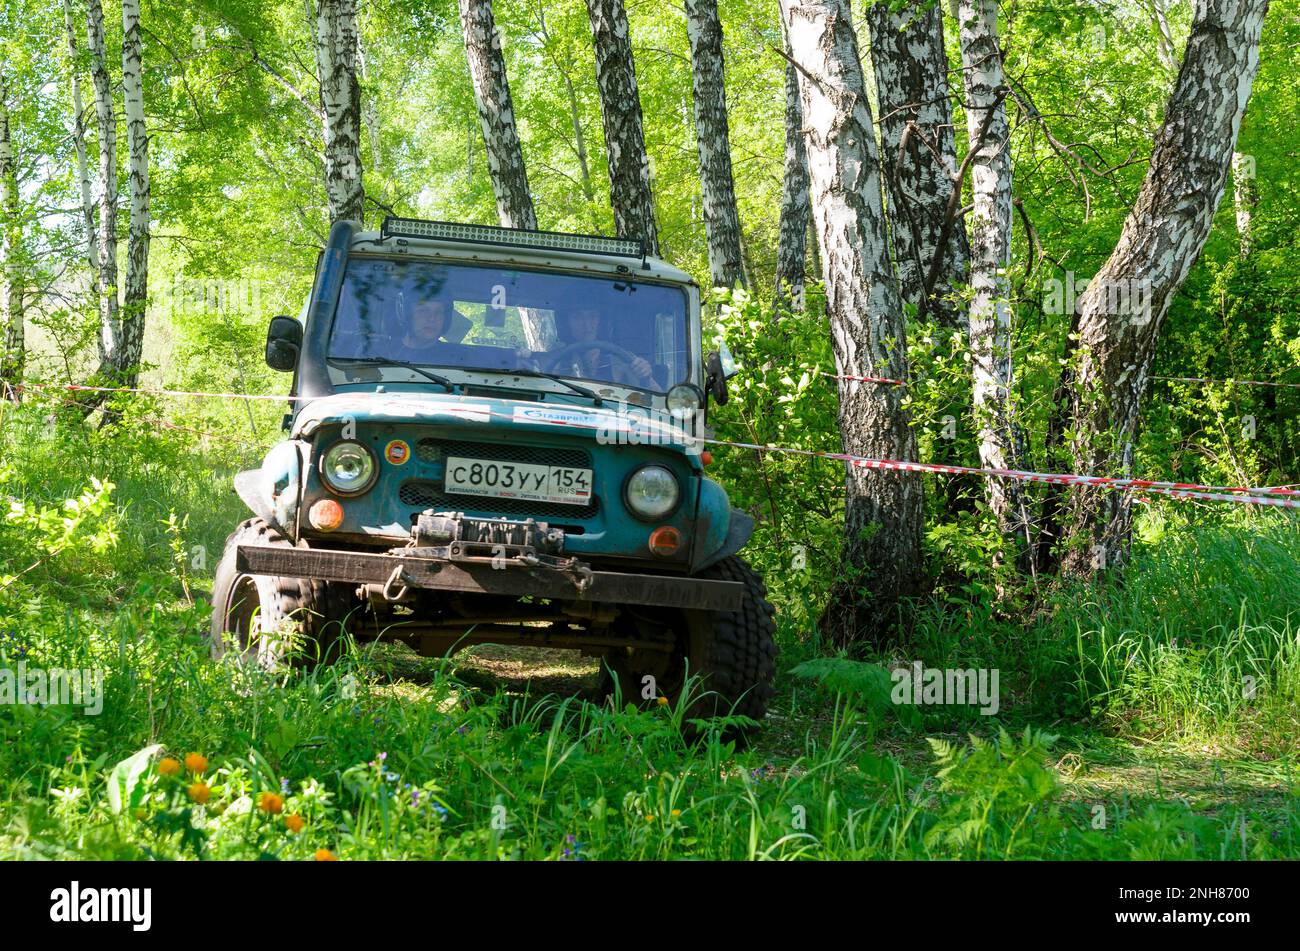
512, 237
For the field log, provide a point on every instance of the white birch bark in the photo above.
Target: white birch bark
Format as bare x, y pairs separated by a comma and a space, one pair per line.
79, 144
14, 352
713, 143
883, 508
340, 97
990, 248
1120, 314
630, 190
110, 326
919, 155
136, 296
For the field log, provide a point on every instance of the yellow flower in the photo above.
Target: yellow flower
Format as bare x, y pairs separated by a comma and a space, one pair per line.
662, 701
294, 823
676, 813
325, 855
196, 763
200, 792
270, 802
168, 766
649, 817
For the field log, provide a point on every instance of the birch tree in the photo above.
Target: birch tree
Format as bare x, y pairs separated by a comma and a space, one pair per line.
487, 69
713, 143
110, 326
136, 296
335, 29
79, 142
990, 244
919, 156
796, 207
620, 106
1244, 198
14, 352
882, 552
1120, 313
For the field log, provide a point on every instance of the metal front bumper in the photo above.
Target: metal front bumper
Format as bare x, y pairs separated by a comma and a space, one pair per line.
476, 578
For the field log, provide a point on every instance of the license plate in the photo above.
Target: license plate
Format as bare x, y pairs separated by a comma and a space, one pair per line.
517, 480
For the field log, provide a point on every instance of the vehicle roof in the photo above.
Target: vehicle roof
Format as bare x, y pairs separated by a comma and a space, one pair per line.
654, 269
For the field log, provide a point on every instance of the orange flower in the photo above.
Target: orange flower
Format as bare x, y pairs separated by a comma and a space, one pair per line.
662, 701
168, 766
270, 802
196, 763
199, 792
325, 855
294, 823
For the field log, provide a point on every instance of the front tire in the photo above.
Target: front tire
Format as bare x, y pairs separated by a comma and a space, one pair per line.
733, 653
264, 621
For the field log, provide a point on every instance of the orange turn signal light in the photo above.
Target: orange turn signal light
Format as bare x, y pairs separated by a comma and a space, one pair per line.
326, 515
665, 541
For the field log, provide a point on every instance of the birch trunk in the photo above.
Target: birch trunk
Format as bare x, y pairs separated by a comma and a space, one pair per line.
796, 206
79, 143
1120, 313
990, 248
713, 143
110, 327
882, 552
487, 69
340, 97
620, 106
1244, 198
919, 155
14, 352
136, 297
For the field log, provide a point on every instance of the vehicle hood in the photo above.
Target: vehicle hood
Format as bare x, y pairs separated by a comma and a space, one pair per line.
605, 424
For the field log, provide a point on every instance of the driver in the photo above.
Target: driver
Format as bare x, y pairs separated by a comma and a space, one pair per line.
423, 341
582, 325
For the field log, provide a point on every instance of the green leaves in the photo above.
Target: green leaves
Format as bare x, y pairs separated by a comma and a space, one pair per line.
124, 779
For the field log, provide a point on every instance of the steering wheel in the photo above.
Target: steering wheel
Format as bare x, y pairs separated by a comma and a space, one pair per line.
552, 360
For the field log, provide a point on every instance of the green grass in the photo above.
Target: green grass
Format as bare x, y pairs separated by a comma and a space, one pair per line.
1126, 729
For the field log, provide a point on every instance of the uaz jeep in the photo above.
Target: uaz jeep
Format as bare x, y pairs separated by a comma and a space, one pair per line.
495, 437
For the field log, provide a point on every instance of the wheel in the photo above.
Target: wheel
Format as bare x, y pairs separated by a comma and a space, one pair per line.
265, 620
732, 652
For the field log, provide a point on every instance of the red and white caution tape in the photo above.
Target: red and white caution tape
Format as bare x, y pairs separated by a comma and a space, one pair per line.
1178, 490
1249, 495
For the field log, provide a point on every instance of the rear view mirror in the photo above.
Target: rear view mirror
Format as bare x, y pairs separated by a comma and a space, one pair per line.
283, 343
716, 380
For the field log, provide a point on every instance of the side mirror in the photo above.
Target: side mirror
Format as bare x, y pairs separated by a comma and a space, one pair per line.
715, 382
283, 343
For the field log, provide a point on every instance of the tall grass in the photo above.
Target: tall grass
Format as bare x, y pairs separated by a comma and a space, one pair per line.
396, 769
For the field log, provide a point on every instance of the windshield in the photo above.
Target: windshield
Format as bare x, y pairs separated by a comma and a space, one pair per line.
600, 329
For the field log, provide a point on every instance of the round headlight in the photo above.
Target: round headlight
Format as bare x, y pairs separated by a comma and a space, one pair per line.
652, 493
348, 468
685, 400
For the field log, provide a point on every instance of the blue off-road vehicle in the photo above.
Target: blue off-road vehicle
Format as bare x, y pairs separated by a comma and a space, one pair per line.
496, 436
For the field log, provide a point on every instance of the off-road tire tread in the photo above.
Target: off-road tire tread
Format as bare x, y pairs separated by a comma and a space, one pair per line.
742, 651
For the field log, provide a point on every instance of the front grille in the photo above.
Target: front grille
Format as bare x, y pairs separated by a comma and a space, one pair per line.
433, 450
425, 494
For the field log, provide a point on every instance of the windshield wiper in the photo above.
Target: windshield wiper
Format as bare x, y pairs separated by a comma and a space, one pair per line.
385, 362
580, 390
